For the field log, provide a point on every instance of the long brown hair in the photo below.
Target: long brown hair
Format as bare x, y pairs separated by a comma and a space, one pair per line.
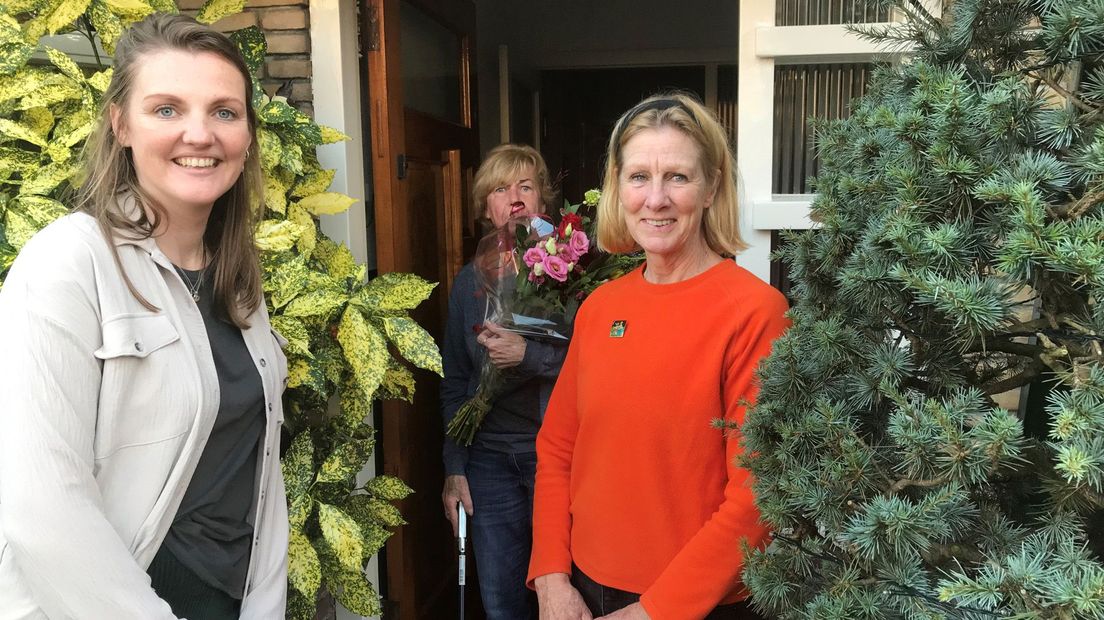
110, 175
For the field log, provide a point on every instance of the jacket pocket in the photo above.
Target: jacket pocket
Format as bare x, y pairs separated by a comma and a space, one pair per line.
136, 335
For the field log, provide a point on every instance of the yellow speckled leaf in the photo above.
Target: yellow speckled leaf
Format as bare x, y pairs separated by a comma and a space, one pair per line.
58, 152
300, 510
313, 183
291, 157
129, 10
340, 263
275, 194
100, 80
346, 460
164, 6
365, 349
270, 149
251, 42
316, 303
46, 179
17, 131
17, 160
38, 120
413, 342
38, 209
368, 509
214, 10
396, 291
357, 595
18, 229
107, 24
295, 333
64, 63
309, 235
327, 203
298, 465
388, 488
355, 408
15, 7
342, 535
331, 135
64, 14
275, 235
74, 128
22, 82
398, 383
58, 89
298, 373
287, 281
304, 568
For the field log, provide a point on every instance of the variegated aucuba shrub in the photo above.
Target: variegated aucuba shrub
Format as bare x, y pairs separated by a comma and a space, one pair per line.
341, 331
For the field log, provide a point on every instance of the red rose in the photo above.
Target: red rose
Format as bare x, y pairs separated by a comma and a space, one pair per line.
569, 219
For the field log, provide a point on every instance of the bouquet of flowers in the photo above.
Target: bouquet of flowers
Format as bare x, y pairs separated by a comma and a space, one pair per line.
534, 274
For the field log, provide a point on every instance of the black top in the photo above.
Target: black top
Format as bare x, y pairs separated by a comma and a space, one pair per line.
511, 425
213, 529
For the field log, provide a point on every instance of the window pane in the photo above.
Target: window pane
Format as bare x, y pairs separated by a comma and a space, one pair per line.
820, 12
430, 65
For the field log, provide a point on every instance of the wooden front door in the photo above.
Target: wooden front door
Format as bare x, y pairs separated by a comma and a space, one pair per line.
424, 145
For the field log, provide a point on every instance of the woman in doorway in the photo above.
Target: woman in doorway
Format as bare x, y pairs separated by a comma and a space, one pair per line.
493, 479
639, 504
139, 438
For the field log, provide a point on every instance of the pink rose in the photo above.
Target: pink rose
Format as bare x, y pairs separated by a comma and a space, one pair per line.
534, 256
556, 268
564, 252
579, 244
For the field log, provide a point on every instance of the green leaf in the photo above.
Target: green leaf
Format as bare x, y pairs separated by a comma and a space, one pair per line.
271, 147
38, 209
342, 535
65, 64
413, 342
320, 303
388, 488
129, 10
108, 26
277, 112
398, 383
313, 183
295, 333
214, 10
64, 14
57, 89
357, 595
298, 465
38, 120
46, 179
309, 235
368, 509
22, 82
273, 235
251, 42
72, 129
355, 407
291, 157
365, 349
304, 568
326, 203
164, 6
341, 265
346, 460
287, 281
17, 160
331, 135
395, 291
17, 131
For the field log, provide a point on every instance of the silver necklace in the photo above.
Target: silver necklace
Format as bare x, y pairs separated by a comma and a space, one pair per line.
193, 287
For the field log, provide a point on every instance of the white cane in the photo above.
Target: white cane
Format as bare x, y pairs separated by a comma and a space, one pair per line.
462, 540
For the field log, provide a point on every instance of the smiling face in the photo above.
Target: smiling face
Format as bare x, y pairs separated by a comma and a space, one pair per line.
516, 196
186, 125
664, 193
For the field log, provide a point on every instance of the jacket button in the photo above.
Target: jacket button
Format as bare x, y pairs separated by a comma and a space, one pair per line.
270, 406
138, 347
263, 362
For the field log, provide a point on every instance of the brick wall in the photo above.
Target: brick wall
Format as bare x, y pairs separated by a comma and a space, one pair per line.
286, 24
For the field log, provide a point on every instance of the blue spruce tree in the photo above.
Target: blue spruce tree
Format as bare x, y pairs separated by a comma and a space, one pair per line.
960, 257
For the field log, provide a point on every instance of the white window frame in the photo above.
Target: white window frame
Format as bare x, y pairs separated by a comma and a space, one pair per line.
762, 46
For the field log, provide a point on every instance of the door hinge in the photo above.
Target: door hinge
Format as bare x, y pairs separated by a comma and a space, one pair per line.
372, 34
400, 166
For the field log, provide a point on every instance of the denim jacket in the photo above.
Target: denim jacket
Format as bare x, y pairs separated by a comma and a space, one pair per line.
106, 410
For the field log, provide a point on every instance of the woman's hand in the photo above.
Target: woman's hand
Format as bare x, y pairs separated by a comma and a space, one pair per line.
558, 599
505, 349
632, 612
456, 490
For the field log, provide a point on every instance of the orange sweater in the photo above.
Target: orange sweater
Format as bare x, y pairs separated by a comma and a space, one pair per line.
633, 483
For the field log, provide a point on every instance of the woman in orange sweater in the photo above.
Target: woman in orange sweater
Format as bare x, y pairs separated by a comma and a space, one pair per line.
639, 507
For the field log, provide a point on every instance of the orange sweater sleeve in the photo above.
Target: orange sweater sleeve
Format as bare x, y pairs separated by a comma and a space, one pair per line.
706, 568
555, 447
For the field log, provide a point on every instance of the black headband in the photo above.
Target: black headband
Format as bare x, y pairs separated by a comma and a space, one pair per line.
654, 104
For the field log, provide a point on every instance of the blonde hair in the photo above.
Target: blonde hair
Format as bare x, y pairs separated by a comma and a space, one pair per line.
502, 165
721, 221
109, 169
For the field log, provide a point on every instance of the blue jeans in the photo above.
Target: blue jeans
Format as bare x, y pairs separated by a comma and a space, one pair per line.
501, 530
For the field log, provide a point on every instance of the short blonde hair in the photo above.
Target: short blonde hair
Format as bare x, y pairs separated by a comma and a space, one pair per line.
502, 165
721, 221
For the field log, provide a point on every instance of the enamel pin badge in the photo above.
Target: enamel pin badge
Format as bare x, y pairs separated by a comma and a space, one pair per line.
617, 330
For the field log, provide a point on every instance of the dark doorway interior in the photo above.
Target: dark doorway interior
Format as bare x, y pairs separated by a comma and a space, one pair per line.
580, 106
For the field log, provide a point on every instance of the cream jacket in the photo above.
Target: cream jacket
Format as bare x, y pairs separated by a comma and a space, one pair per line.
106, 408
